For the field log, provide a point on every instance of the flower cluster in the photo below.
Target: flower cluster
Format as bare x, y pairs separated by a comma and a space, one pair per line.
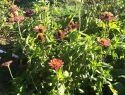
15, 17
71, 26
56, 64
40, 30
106, 16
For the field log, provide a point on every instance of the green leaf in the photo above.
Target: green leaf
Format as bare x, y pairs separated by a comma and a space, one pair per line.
113, 25
61, 90
113, 90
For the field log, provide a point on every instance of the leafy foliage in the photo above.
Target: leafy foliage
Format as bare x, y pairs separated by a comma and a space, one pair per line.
89, 50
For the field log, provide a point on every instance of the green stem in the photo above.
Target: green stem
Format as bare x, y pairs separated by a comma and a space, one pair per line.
13, 1
19, 30
80, 17
10, 72
34, 83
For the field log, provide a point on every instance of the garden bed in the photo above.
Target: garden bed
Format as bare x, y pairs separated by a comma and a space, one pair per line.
62, 47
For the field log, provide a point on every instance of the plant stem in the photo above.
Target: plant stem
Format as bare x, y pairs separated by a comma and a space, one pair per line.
19, 30
13, 1
10, 72
34, 83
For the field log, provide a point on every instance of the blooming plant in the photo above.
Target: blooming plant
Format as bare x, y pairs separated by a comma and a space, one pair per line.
29, 13
56, 64
104, 42
107, 16
13, 8
66, 47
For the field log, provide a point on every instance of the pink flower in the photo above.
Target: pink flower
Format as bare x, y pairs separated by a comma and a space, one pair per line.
13, 8
36, 28
56, 63
7, 63
40, 29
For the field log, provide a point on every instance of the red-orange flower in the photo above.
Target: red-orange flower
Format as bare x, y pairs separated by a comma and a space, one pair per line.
13, 8
56, 64
72, 25
104, 42
107, 16
61, 35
